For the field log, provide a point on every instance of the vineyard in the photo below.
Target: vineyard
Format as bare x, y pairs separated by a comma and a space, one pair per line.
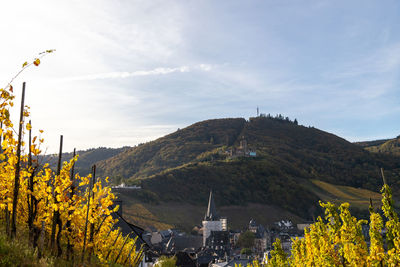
338, 240
64, 216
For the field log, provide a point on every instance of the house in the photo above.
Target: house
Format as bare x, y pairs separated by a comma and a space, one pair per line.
188, 243
262, 239
205, 257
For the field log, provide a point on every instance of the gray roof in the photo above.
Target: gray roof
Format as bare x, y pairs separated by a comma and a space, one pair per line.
179, 243
211, 214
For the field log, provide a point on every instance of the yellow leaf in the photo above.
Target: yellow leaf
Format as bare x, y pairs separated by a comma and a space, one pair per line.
36, 62
41, 131
28, 126
25, 64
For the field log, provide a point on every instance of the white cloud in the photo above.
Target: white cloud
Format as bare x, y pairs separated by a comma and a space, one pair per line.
126, 74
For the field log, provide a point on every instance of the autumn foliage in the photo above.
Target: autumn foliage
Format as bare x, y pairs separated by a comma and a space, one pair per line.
338, 240
43, 193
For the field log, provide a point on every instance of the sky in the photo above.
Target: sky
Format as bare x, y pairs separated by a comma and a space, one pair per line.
129, 71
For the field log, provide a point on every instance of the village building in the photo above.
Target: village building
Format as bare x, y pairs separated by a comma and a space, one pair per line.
215, 232
212, 222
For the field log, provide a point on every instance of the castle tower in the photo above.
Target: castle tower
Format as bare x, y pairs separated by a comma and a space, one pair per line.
243, 146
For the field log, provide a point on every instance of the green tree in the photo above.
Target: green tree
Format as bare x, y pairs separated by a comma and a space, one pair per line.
246, 239
164, 261
245, 251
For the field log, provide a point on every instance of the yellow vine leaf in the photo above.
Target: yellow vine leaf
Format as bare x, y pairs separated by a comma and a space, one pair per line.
36, 62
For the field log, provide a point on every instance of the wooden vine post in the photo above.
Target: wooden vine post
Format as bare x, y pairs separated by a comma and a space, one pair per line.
92, 231
32, 201
6, 211
69, 244
55, 243
86, 222
17, 167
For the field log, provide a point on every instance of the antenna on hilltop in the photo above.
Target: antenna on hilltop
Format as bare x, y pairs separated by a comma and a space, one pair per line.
258, 112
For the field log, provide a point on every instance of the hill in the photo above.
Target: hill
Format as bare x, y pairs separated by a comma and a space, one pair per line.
366, 144
389, 146
294, 167
182, 166
86, 158
192, 144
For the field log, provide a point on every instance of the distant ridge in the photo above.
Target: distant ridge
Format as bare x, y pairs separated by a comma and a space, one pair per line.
387, 146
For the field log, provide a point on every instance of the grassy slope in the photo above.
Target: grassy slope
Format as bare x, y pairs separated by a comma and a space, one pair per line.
357, 197
164, 215
391, 147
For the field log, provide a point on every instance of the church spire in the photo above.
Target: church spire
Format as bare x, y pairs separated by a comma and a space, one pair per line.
211, 214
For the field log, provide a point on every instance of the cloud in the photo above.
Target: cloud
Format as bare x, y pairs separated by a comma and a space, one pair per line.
153, 72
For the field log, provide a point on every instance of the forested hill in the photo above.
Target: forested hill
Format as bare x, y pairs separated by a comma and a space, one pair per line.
305, 150
191, 144
86, 158
387, 146
184, 165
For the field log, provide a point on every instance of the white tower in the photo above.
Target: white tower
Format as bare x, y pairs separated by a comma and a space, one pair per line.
211, 221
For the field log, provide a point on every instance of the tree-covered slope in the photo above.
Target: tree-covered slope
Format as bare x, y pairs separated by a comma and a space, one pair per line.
185, 165
391, 147
173, 150
322, 155
86, 158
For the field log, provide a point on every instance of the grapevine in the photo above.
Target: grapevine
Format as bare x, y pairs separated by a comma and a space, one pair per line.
42, 193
